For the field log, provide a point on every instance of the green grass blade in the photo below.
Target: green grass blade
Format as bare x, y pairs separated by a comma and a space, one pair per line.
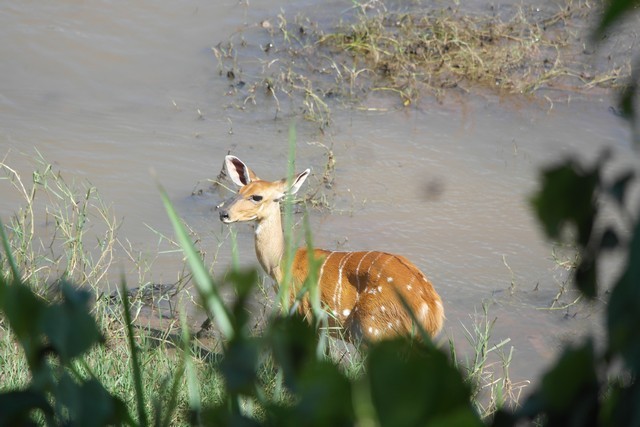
175, 387
320, 316
284, 287
7, 251
235, 257
204, 282
135, 363
312, 277
193, 385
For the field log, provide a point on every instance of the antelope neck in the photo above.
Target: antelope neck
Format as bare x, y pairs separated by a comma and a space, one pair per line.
270, 243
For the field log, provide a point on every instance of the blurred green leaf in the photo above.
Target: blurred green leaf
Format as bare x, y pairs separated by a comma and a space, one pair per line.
17, 406
613, 12
620, 404
88, 403
221, 416
627, 101
24, 311
568, 395
586, 275
567, 197
414, 384
618, 189
623, 312
293, 343
70, 328
324, 398
239, 365
243, 283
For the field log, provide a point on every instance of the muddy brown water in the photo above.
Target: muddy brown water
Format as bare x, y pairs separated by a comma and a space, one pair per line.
109, 92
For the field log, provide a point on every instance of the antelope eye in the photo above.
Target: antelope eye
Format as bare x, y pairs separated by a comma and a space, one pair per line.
255, 198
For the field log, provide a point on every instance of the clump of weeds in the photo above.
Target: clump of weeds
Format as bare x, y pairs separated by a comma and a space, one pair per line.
421, 52
487, 369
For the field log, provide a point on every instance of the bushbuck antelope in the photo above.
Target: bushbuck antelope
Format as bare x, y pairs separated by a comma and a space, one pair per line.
360, 289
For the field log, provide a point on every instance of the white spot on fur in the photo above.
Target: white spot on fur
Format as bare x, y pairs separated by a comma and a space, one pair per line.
377, 332
370, 329
389, 325
346, 312
379, 288
408, 287
383, 308
424, 311
389, 279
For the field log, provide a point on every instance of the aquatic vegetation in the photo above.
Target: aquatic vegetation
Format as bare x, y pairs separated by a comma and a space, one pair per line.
375, 51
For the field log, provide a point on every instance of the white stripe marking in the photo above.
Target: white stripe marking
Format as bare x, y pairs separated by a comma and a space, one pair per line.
358, 269
337, 294
322, 267
390, 257
373, 262
322, 270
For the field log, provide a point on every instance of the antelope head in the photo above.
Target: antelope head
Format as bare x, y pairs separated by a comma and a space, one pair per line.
256, 199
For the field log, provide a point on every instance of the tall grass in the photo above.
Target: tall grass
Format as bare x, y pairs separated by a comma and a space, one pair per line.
73, 216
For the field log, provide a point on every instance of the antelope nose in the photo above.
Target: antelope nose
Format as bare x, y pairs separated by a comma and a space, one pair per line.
224, 215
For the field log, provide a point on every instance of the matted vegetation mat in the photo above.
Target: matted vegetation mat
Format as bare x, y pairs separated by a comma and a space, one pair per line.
374, 52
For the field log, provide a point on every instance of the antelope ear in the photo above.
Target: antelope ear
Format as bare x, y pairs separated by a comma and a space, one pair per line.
298, 181
239, 173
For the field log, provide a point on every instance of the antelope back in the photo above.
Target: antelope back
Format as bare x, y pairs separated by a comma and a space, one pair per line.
360, 290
